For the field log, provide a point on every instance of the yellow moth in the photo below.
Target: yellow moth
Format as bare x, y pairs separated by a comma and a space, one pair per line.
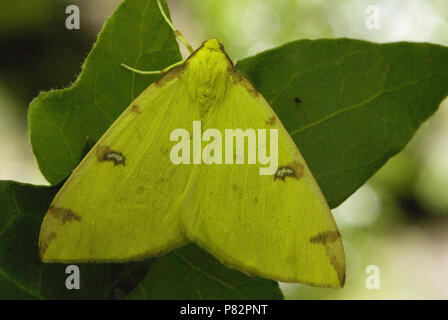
127, 200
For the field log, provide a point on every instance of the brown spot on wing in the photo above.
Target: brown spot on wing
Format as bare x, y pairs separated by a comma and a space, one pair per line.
44, 243
271, 121
135, 108
298, 169
63, 214
293, 170
104, 153
325, 237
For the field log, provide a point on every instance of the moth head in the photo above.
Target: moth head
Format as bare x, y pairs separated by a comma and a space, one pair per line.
213, 44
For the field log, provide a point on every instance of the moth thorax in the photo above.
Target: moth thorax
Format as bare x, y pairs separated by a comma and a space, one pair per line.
208, 76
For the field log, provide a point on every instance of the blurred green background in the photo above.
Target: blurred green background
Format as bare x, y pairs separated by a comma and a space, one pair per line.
398, 221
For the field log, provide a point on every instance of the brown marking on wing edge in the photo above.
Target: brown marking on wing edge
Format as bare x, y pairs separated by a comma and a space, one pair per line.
340, 270
63, 214
294, 170
271, 121
175, 72
326, 237
104, 153
239, 78
44, 244
135, 108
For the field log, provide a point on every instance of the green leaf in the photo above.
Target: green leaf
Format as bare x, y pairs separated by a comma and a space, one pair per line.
358, 103
191, 273
62, 122
24, 276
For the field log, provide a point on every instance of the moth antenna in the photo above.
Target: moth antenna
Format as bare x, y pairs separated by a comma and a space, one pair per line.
176, 32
